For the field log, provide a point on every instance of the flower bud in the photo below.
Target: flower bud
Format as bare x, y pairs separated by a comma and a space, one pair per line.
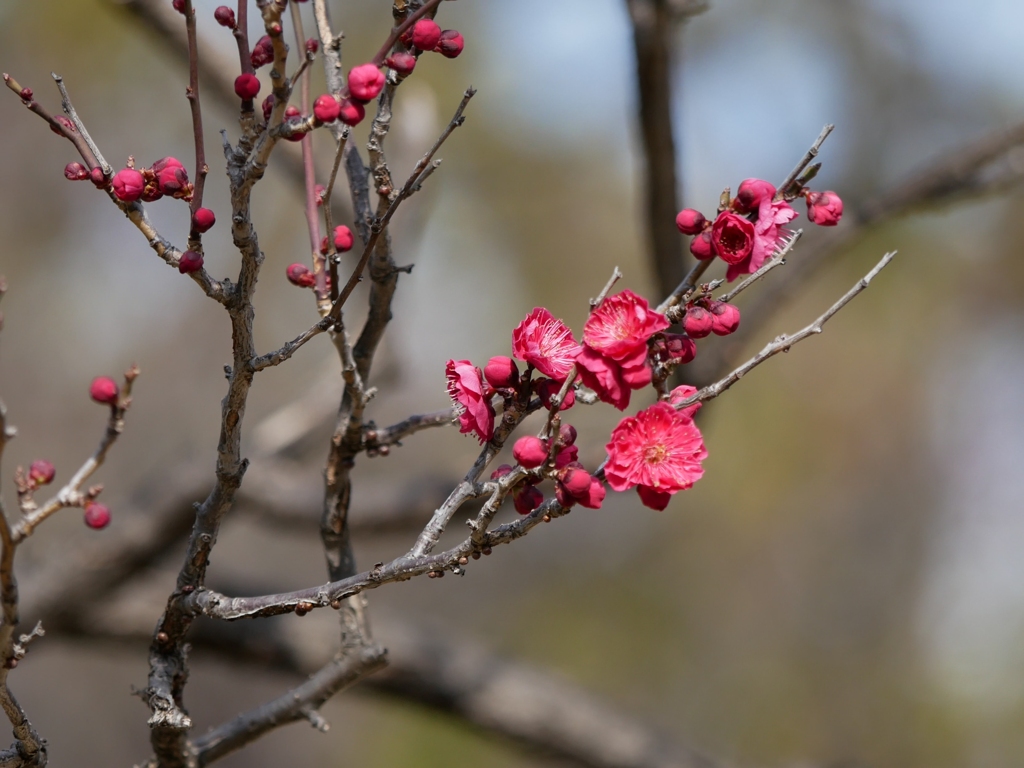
225, 16
299, 274
426, 34
128, 184
576, 481
247, 86
501, 372
262, 52
527, 499
530, 451
725, 318
41, 472
751, 193
104, 390
68, 125
501, 471
675, 348
567, 434
732, 237
698, 322
690, 221
26, 94
351, 112
451, 44
365, 82
190, 262
203, 219
312, 45
546, 389
326, 108
97, 516
171, 177
267, 107
593, 497
563, 496
178, 5
824, 208
97, 178
403, 63
343, 239
318, 194
274, 28
566, 456
701, 247
75, 172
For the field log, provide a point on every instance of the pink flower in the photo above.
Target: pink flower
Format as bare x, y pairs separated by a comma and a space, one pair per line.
767, 231
466, 389
546, 343
732, 237
621, 326
604, 376
659, 448
681, 393
824, 208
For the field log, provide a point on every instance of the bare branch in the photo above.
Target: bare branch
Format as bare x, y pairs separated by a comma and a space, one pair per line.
296, 704
71, 493
785, 342
778, 260
194, 236
807, 159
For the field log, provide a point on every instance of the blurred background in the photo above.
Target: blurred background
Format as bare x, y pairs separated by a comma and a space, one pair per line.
844, 586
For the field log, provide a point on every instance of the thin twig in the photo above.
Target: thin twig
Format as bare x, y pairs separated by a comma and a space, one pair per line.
776, 261
806, 160
69, 110
785, 342
397, 32
194, 236
377, 227
71, 493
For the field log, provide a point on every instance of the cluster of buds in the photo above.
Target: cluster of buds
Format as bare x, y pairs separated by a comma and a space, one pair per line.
573, 483
705, 316
749, 226
425, 35
167, 177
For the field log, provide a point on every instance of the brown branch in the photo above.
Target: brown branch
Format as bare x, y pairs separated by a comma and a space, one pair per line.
300, 703
378, 225
783, 190
71, 494
194, 236
784, 342
655, 39
74, 137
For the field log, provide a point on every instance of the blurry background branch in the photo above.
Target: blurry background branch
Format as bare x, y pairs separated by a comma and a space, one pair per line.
656, 37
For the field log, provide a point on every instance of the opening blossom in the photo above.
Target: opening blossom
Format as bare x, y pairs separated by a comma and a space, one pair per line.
546, 343
767, 232
613, 360
659, 452
470, 397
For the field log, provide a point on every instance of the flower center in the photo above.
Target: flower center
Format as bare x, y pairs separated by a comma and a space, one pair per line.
655, 454
733, 239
